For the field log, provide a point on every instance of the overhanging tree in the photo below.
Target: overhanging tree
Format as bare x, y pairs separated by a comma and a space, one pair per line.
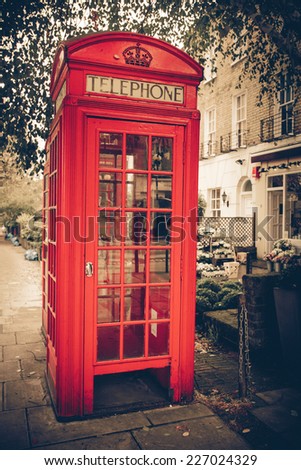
268, 32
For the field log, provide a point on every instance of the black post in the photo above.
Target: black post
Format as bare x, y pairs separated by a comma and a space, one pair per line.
249, 263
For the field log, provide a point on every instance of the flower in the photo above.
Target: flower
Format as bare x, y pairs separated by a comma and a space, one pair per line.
282, 252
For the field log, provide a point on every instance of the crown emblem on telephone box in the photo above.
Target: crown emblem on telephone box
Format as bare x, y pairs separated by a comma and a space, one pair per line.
136, 55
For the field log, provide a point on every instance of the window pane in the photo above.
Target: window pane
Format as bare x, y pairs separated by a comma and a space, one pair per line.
275, 181
108, 266
108, 305
134, 266
162, 153
161, 191
133, 341
110, 150
158, 339
108, 340
159, 302
160, 227
136, 190
136, 152
134, 303
109, 190
159, 265
109, 228
136, 228
293, 206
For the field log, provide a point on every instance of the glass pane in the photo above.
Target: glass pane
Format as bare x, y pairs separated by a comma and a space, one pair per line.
158, 339
161, 191
109, 190
108, 266
136, 190
108, 340
136, 228
159, 265
159, 302
110, 150
108, 309
136, 152
160, 225
134, 302
133, 341
275, 181
293, 206
162, 153
109, 228
134, 266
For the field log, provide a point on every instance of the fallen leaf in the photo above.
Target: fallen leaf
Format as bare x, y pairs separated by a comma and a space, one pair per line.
246, 430
186, 433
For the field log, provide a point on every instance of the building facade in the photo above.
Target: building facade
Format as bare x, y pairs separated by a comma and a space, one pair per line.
250, 155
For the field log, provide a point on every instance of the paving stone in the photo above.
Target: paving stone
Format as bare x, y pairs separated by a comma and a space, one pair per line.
204, 433
118, 441
24, 351
32, 368
24, 394
26, 337
13, 430
9, 371
278, 418
45, 429
7, 338
177, 413
287, 397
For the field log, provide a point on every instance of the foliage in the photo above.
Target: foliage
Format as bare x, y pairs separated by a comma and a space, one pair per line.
208, 284
202, 304
268, 30
290, 277
202, 204
233, 285
209, 295
230, 300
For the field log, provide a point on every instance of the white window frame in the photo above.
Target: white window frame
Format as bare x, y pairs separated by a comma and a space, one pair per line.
209, 73
210, 133
215, 202
285, 104
239, 121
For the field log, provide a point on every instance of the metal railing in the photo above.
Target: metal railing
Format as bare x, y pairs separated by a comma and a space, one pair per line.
278, 126
208, 149
233, 141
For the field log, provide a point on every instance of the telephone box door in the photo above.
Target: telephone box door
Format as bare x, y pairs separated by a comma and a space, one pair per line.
134, 191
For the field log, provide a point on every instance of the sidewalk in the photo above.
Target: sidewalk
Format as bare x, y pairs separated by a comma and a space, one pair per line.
27, 420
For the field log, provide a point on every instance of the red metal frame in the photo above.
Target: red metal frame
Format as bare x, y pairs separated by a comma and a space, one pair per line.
74, 148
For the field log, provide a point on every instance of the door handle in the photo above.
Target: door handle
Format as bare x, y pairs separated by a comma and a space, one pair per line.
89, 269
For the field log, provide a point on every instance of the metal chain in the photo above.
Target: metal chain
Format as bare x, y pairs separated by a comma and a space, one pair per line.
244, 370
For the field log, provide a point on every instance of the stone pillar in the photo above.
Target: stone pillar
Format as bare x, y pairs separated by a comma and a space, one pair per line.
263, 329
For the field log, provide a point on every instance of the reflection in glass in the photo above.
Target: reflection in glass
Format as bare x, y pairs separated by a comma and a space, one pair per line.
109, 228
109, 190
136, 190
110, 150
158, 339
108, 343
136, 228
134, 266
160, 227
161, 191
133, 341
136, 152
159, 302
108, 305
108, 267
293, 205
159, 265
134, 302
162, 153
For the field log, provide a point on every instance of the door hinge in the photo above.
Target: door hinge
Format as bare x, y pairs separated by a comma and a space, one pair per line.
89, 269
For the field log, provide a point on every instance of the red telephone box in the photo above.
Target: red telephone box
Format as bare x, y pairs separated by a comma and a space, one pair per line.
121, 190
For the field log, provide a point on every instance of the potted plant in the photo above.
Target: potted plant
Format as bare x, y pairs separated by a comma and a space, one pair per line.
282, 253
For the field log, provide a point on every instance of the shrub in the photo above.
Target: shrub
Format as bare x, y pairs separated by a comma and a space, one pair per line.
231, 300
225, 291
236, 285
202, 304
208, 284
209, 295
